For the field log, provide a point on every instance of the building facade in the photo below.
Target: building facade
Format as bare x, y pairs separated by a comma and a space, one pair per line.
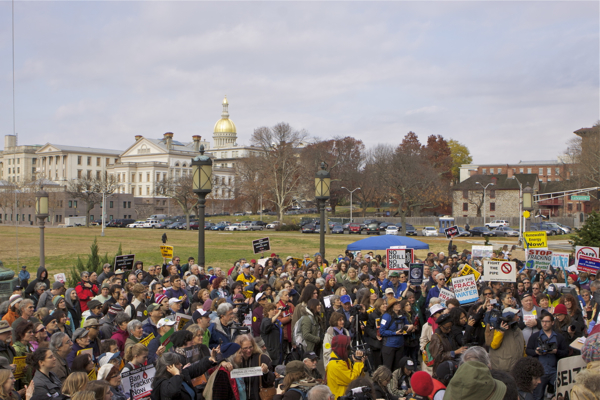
546, 170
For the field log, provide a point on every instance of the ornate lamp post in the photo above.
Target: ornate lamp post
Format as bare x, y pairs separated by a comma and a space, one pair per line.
41, 213
322, 185
201, 185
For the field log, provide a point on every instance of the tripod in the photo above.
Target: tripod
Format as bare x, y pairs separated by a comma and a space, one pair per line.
359, 344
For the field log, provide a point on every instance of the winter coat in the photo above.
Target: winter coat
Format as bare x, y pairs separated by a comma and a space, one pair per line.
388, 328
47, 387
149, 327
253, 383
73, 308
121, 337
285, 318
272, 334
372, 330
507, 348
220, 335
329, 335
340, 373
31, 287
7, 351
310, 331
257, 317
172, 388
587, 383
440, 349
85, 294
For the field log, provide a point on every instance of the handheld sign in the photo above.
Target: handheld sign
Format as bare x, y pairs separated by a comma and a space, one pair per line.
560, 260
588, 264
21, 367
566, 371
451, 232
539, 258
416, 274
468, 270
138, 382
586, 251
165, 340
399, 259
482, 251
536, 240
465, 289
93, 375
261, 245
166, 251
445, 295
146, 341
124, 262
181, 320
499, 271
60, 277
246, 372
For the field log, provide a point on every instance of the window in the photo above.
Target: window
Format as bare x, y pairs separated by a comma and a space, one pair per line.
140, 190
98, 161
157, 177
485, 171
578, 206
110, 204
147, 190
570, 207
148, 177
492, 193
33, 161
19, 162
89, 174
49, 160
18, 170
128, 204
124, 204
465, 206
520, 170
70, 204
75, 203
132, 189
492, 206
492, 171
465, 194
107, 161
98, 174
549, 171
140, 177
541, 171
132, 177
528, 170
89, 161
557, 171
78, 174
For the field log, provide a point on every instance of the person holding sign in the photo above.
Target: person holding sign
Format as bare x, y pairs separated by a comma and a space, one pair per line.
435, 291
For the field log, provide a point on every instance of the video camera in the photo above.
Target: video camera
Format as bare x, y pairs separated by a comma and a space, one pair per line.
361, 347
240, 328
285, 308
545, 346
354, 310
361, 393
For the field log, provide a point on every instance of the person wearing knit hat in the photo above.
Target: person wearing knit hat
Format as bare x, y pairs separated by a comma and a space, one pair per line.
473, 381
163, 301
560, 309
12, 314
571, 279
421, 383
106, 322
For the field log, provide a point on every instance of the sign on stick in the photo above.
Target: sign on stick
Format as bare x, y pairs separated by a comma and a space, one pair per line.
451, 232
465, 289
261, 245
125, 262
536, 239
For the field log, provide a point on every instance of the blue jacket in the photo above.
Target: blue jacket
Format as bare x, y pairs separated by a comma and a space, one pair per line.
388, 328
24, 275
219, 335
152, 347
548, 361
149, 328
397, 291
170, 293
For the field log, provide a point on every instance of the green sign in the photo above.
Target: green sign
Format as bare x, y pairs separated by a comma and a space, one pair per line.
581, 198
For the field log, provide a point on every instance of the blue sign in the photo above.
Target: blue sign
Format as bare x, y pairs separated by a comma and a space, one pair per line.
588, 264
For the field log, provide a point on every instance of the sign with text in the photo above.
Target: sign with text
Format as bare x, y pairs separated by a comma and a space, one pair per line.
580, 198
465, 289
560, 260
246, 372
537, 258
399, 259
166, 251
566, 371
125, 262
536, 239
261, 245
451, 232
482, 251
588, 264
445, 295
468, 270
146, 341
416, 274
21, 367
181, 320
138, 382
586, 251
499, 271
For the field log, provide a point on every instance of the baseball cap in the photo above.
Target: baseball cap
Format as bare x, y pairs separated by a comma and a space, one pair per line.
119, 271
312, 356
345, 299
389, 291
90, 322
174, 300
508, 310
394, 273
105, 358
288, 258
165, 321
153, 307
80, 333
260, 296
239, 297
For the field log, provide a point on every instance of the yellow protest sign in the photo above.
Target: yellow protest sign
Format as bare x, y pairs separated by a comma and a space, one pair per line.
468, 270
21, 366
498, 259
166, 251
89, 351
145, 341
93, 375
536, 240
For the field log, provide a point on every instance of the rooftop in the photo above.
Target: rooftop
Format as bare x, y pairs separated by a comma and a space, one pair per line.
502, 182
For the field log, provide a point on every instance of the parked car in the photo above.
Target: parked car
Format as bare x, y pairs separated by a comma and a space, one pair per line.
463, 232
354, 228
121, 223
257, 225
480, 231
367, 222
429, 231
548, 228
391, 230
337, 229
162, 225
136, 224
176, 225
505, 231
218, 227
238, 214
559, 229
233, 227
497, 223
151, 223
373, 227
566, 229
274, 225
195, 225
208, 226
309, 228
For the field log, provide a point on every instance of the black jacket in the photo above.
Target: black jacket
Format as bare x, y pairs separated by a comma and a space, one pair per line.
31, 287
172, 388
561, 346
382, 393
271, 334
47, 387
253, 383
371, 330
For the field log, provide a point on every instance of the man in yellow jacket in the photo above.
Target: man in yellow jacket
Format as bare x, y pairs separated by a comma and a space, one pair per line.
246, 278
340, 370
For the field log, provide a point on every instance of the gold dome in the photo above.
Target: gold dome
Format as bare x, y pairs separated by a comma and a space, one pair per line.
225, 125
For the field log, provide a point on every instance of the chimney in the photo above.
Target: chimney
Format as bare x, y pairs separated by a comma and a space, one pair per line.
138, 137
509, 172
196, 139
169, 140
10, 141
494, 180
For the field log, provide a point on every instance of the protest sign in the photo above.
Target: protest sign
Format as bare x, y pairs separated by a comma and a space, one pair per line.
445, 294
465, 289
261, 245
560, 260
586, 251
181, 320
166, 251
21, 367
327, 301
468, 270
499, 271
246, 372
165, 340
93, 375
588, 264
89, 351
451, 232
537, 258
416, 274
146, 341
536, 239
138, 382
482, 251
60, 277
124, 262
566, 371
399, 259
262, 261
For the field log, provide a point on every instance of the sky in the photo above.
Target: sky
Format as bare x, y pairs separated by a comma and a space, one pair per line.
510, 80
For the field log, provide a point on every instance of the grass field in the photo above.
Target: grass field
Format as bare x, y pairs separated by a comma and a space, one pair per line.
64, 245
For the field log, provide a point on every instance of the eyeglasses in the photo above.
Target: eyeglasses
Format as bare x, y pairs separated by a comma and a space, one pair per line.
247, 348
546, 322
488, 294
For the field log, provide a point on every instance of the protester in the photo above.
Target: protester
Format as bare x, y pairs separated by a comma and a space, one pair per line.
46, 383
343, 366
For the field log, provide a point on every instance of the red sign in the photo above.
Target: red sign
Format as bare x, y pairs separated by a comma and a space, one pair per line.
506, 268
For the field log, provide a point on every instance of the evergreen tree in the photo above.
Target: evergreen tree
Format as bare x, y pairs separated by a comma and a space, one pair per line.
94, 264
589, 234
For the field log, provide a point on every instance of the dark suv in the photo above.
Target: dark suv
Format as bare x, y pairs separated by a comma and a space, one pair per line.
121, 223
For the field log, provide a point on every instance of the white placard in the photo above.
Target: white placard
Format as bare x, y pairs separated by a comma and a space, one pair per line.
246, 372
482, 251
499, 271
138, 383
465, 289
327, 301
560, 260
60, 277
586, 251
444, 295
566, 371
399, 259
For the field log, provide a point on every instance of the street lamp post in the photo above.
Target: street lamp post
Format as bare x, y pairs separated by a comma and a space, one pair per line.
201, 185
527, 203
41, 213
351, 191
484, 188
322, 187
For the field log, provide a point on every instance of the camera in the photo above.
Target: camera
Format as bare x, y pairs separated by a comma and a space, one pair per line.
361, 393
545, 347
500, 320
361, 347
240, 328
286, 308
400, 325
354, 310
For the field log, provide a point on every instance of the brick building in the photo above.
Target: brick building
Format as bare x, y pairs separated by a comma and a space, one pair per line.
546, 170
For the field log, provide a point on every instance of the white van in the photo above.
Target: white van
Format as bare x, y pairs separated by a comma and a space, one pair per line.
151, 223
159, 217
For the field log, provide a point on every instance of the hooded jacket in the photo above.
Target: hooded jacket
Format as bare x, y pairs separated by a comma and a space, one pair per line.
338, 371
218, 335
73, 308
31, 287
272, 335
85, 294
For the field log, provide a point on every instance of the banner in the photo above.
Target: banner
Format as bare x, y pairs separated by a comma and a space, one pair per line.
566, 371
181, 320
588, 264
416, 274
465, 289
21, 366
138, 383
468, 270
560, 260
537, 258
536, 240
246, 372
146, 341
445, 294
482, 251
499, 271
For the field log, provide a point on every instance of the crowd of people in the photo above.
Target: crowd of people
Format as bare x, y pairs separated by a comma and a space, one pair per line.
313, 329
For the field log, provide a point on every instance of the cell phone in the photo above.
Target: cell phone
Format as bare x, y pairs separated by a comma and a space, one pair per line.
493, 302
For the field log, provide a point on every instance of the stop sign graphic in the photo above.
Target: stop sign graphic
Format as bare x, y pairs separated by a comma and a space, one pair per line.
506, 268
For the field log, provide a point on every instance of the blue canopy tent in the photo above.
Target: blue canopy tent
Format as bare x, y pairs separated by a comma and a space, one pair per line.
385, 242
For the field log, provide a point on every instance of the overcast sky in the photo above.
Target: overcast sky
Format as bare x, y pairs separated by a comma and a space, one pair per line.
511, 80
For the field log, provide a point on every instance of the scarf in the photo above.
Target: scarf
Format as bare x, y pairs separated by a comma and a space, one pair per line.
431, 322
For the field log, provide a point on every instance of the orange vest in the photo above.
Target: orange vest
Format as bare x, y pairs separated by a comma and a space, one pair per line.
437, 386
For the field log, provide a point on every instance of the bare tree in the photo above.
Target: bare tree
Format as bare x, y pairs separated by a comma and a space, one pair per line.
179, 189
249, 182
281, 169
90, 190
372, 185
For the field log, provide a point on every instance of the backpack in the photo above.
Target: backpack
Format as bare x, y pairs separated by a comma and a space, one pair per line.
297, 334
427, 358
303, 393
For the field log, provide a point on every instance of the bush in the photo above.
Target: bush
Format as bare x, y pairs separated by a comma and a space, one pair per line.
288, 227
94, 264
